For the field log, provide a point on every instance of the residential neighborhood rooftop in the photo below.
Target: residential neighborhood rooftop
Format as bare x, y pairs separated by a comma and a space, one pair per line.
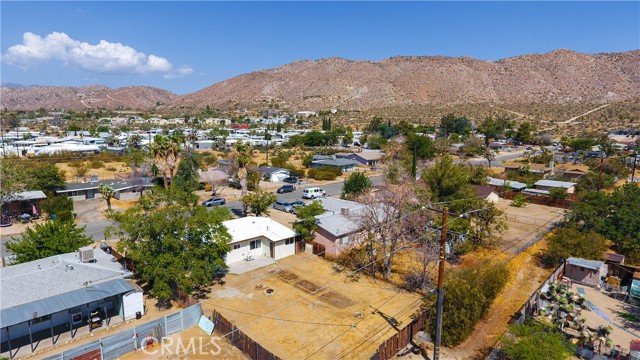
589, 264
254, 227
554, 183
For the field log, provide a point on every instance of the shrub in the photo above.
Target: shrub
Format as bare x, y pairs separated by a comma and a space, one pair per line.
111, 168
324, 173
469, 294
519, 201
96, 164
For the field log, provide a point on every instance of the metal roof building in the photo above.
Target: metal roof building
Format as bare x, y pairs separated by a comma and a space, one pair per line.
62, 293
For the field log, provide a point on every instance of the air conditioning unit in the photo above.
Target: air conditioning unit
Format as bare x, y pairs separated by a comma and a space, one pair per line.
86, 254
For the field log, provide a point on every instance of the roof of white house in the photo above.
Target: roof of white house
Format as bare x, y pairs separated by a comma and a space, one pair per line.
337, 221
252, 227
555, 184
589, 264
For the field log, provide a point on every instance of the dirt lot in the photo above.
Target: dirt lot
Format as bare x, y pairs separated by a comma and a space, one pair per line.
526, 222
342, 317
106, 172
526, 277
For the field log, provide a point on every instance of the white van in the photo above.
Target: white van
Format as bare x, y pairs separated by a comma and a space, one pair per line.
312, 193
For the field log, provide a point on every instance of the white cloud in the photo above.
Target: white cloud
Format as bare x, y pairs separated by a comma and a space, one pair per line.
104, 57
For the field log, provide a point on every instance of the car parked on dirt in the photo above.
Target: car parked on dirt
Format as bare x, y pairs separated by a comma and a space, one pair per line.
214, 202
285, 189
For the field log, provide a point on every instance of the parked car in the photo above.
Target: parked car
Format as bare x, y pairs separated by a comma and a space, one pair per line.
313, 193
214, 202
234, 184
297, 205
290, 180
285, 189
283, 205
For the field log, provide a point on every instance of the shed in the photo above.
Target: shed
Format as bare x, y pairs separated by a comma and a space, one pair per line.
552, 184
586, 272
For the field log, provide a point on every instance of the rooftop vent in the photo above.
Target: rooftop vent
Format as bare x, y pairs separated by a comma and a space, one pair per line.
86, 254
344, 211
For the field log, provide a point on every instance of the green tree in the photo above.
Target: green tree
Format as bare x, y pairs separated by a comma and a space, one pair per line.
306, 223
307, 160
452, 124
614, 216
13, 178
470, 291
107, 193
61, 206
48, 239
347, 139
519, 201
422, 146
187, 176
356, 184
558, 193
177, 246
525, 133
259, 202
448, 181
535, 340
45, 177
375, 141
569, 242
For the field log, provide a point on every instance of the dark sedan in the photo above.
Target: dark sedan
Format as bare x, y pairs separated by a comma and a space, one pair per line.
290, 180
285, 189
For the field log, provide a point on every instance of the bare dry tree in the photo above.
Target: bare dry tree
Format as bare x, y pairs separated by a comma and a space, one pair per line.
390, 217
214, 178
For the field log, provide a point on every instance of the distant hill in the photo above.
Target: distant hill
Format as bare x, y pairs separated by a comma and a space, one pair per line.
85, 97
558, 77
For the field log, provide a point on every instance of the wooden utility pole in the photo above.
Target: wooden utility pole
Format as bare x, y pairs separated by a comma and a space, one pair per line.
440, 294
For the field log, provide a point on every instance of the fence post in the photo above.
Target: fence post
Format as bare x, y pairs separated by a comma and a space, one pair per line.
135, 339
101, 354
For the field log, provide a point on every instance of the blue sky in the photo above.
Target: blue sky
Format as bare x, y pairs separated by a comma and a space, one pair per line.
186, 46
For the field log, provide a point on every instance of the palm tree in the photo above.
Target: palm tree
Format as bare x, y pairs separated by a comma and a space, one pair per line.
160, 152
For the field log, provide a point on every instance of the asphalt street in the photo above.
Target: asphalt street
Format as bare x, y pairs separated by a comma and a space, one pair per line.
96, 230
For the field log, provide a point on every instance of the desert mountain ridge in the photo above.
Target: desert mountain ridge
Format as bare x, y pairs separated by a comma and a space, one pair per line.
558, 77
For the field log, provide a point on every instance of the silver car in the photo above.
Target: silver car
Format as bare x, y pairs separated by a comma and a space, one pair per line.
283, 206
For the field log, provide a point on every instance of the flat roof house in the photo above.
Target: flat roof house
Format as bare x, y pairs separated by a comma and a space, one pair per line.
515, 185
254, 237
124, 189
44, 298
552, 184
343, 164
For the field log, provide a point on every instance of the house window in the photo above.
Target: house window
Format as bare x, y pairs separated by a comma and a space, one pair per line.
289, 241
76, 318
236, 246
581, 269
255, 244
41, 319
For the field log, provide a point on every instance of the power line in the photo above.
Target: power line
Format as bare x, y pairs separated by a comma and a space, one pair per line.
312, 292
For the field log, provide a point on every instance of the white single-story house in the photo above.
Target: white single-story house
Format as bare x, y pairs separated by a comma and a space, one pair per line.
43, 298
259, 236
552, 184
343, 164
273, 174
124, 189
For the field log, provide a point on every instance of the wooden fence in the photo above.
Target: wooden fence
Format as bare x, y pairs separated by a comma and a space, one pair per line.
390, 347
542, 200
240, 340
318, 249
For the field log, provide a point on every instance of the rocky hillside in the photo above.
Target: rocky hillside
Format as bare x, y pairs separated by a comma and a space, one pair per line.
82, 98
558, 77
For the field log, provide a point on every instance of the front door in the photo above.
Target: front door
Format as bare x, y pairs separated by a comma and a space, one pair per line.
272, 247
